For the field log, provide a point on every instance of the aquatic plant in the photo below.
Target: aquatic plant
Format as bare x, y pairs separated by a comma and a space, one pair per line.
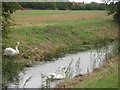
77, 65
27, 80
68, 72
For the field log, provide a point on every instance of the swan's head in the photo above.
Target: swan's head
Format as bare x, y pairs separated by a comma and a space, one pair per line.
18, 43
63, 68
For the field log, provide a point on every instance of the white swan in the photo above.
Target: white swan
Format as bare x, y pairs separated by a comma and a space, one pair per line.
10, 51
59, 75
52, 75
56, 76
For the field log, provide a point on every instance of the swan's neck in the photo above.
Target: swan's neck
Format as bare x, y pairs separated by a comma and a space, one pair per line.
17, 51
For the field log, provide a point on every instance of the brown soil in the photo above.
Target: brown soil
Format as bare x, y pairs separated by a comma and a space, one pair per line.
37, 52
37, 20
71, 83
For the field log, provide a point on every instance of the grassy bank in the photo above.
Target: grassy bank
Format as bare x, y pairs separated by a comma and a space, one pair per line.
43, 38
106, 78
39, 42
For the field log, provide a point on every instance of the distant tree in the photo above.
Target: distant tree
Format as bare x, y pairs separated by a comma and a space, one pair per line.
46, 5
106, 1
75, 7
94, 6
90, 6
101, 6
117, 12
50, 5
63, 5
113, 6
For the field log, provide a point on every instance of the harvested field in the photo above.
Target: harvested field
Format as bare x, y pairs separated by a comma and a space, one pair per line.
35, 18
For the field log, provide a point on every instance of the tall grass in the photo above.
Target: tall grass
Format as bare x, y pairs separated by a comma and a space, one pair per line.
0, 73
11, 66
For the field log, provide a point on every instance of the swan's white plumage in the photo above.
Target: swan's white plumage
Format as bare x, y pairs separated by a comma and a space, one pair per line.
60, 75
11, 51
52, 75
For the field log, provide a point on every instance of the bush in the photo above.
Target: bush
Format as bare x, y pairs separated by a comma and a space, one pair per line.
114, 8
7, 9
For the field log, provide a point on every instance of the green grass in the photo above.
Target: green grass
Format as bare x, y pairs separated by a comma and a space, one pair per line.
107, 78
53, 12
67, 35
83, 30
0, 72
73, 21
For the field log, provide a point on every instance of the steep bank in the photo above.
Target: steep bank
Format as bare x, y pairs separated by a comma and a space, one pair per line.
40, 42
62, 31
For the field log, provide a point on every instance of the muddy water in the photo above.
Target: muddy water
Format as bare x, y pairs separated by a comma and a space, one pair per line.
82, 62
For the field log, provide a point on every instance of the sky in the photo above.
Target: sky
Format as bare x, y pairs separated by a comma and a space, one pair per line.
87, 1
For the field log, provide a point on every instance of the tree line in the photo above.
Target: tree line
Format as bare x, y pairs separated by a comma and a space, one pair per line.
62, 6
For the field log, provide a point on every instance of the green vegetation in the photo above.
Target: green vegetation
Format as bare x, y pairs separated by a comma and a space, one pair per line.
7, 9
11, 67
106, 78
0, 72
48, 41
63, 6
53, 40
52, 37
67, 35
114, 8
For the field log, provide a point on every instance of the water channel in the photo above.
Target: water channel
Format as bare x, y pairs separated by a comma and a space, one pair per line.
79, 63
